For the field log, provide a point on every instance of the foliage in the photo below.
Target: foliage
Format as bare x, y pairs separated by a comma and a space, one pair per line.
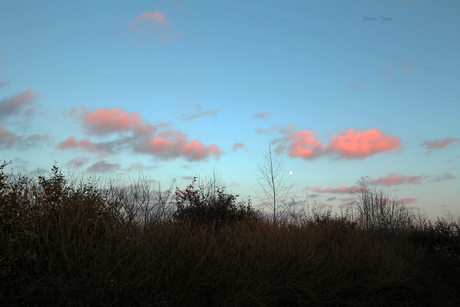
217, 209
441, 237
74, 245
16, 223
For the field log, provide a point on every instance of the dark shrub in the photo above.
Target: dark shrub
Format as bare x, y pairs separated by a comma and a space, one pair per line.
213, 209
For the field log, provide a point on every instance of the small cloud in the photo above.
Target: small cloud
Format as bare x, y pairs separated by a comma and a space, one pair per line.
357, 86
103, 149
137, 166
331, 198
265, 131
198, 112
408, 200
454, 158
361, 144
439, 143
152, 25
403, 69
4, 82
262, 115
172, 144
34, 140
105, 121
103, 167
237, 145
78, 161
408, 66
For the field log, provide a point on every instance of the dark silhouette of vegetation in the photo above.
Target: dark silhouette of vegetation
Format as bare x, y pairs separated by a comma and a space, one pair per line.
271, 180
69, 244
216, 209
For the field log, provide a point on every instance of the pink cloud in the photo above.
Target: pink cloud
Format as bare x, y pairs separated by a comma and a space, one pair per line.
408, 200
304, 144
262, 115
103, 167
395, 179
10, 106
166, 145
172, 144
105, 121
362, 144
103, 149
237, 145
439, 143
349, 144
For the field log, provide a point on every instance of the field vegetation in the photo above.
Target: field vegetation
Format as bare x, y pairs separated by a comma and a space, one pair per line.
82, 243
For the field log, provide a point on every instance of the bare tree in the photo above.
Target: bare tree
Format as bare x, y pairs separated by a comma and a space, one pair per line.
272, 181
378, 210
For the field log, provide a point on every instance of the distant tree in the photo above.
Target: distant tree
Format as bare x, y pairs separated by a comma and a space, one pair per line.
271, 179
377, 210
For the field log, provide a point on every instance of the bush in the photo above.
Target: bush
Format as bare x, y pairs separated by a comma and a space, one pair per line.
16, 219
212, 209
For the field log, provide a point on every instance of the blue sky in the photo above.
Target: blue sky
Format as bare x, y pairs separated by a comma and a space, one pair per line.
176, 89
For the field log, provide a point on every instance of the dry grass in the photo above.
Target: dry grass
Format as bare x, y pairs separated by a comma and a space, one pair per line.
75, 246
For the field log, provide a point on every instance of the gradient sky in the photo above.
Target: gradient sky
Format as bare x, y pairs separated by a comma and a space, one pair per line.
176, 89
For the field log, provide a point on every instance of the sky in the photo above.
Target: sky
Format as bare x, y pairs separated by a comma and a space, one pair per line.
171, 90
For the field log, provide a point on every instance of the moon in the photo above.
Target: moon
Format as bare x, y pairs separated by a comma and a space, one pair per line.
290, 173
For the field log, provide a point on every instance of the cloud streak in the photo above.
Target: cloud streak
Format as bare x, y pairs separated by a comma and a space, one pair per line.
237, 145
103, 167
393, 179
439, 144
261, 115
198, 112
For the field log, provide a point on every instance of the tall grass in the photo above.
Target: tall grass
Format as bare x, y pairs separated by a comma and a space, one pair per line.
64, 244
